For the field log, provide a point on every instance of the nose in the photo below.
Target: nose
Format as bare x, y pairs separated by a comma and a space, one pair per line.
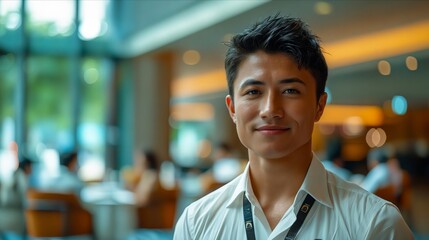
272, 107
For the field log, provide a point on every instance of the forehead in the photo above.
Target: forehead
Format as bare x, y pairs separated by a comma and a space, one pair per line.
271, 67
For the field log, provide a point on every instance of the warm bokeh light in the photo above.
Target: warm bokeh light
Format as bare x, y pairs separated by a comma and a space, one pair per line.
411, 63
384, 67
192, 112
376, 137
191, 57
323, 8
353, 126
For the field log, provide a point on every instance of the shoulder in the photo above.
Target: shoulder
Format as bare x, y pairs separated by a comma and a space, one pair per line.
202, 215
365, 212
346, 194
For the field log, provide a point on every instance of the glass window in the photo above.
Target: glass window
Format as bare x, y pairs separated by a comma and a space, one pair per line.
50, 17
92, 125
10, 17
8, 76
92, 19
49, 107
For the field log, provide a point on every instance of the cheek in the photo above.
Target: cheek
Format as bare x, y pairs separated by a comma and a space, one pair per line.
245, 112
304, 112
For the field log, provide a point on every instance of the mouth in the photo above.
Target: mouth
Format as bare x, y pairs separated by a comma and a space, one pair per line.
272, 129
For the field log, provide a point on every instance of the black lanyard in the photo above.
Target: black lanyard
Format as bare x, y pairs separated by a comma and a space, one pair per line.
300, 217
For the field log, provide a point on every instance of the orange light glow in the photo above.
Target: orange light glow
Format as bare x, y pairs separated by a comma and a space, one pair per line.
369, 47
192, 112
378, 45
200, 84
341, 115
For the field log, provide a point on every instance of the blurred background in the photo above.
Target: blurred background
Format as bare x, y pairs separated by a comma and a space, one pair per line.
107, 79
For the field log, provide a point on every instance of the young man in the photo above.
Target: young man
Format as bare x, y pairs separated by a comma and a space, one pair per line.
276, 77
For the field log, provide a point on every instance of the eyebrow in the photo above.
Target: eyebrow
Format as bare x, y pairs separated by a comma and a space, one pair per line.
251, 82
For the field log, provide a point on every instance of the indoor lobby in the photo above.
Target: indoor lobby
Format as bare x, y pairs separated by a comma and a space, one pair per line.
123, 102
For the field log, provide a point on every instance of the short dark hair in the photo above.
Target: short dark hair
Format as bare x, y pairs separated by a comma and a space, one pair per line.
25, 162
334, 148
276, 34
151, 159
67, 158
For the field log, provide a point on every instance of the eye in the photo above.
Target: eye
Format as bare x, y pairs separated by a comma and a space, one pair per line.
252, 92
291, 91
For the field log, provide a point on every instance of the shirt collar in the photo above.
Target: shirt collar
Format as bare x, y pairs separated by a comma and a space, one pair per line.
315, 184
242, 187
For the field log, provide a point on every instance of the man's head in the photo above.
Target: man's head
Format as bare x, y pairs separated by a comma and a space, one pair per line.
276, 75
69, 160
377, 156
289, 36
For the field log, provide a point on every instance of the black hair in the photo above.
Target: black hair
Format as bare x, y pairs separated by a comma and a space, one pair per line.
152, 159
277, 34
334, 148
67, 158
25, 162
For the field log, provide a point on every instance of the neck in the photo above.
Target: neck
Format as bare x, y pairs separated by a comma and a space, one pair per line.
275, 182
278, 180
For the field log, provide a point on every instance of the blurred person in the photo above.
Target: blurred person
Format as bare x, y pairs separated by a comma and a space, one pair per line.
333, 161
143, 178
379, 174
68, 179
13, 202
225, 167
276, 79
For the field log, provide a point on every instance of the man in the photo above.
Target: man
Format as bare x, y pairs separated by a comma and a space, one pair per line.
379, 175
68, 180
333, 161
276, 78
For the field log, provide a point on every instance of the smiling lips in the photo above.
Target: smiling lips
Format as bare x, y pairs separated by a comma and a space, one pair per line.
272, 129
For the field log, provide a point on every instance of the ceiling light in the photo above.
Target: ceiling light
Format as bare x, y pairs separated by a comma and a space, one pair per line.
323, 8
399, 105
191, 57
411, 63
376, 137
384, 67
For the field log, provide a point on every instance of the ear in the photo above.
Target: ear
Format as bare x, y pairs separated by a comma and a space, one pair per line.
230, 105
321, 106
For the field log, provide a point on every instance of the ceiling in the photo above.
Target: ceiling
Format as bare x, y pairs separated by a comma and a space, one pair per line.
203, 25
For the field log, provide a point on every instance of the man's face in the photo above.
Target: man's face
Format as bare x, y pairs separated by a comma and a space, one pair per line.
274, 105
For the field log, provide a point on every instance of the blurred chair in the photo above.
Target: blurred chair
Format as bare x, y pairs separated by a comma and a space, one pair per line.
160, 213
401, 196
52, 214
388, 193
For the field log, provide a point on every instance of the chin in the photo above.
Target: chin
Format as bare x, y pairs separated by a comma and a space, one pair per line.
272, 153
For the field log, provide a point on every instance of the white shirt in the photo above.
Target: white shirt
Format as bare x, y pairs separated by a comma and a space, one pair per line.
65, 182
342, 210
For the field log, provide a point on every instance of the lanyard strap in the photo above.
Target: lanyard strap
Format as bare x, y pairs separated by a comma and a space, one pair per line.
302, 214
